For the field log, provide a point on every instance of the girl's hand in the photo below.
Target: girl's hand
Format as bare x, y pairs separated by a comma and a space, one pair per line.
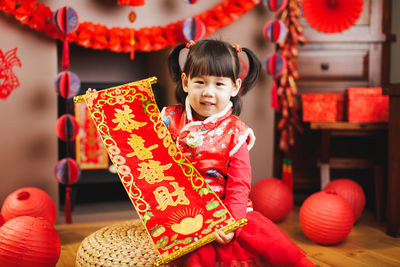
90, 90
223, 238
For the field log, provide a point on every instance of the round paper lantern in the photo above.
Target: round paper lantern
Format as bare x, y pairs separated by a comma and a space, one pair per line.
275, 31
332, 16
275, 5
66, 20
326, 218
275, 64
29, 241
67, 84
67, 127
193, 29
352, 192
67, 171
272, 198
29, 201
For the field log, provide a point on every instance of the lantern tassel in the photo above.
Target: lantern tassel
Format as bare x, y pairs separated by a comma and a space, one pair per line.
68, 217
274, 96
65, 55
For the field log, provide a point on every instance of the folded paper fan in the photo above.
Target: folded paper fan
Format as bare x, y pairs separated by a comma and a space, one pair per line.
332, 16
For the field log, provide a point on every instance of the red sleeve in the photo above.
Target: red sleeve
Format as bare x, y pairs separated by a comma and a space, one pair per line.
238, 183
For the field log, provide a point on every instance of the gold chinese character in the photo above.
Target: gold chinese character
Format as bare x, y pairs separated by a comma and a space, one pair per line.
139, 150
152, 172
125, 121
164, 197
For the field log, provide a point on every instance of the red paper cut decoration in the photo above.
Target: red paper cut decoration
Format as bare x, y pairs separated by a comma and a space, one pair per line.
332, 16
67, 84
29, 241
272, 198
8, 80
193, 29
276, 5
352, 192
67, 127
29, 201
275, 31
90, 152
326, 218
96, 36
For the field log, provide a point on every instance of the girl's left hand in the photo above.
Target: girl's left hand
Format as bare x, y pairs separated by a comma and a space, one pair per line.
223, 238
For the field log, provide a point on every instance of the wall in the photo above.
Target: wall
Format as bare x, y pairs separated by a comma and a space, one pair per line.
28, 116
395, 47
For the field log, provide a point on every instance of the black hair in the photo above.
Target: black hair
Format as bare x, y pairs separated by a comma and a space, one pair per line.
217, 58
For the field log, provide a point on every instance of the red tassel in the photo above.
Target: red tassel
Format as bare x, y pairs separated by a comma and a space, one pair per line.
65, 55
68, 217
274, 96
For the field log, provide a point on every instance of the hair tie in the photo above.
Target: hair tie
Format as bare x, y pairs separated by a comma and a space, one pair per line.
190, 44
237, 48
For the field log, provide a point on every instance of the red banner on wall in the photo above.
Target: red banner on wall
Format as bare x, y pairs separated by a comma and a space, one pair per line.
177, 207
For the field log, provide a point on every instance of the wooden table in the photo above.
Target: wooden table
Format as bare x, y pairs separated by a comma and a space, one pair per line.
377, 164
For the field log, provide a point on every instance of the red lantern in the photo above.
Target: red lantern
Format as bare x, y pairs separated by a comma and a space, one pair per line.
332, 16
275, 31
193, 29
326, 218
351, 192
275, 64
131, 2
67, 127
67, 84
29, 241
276, 5
272, 198
29, 201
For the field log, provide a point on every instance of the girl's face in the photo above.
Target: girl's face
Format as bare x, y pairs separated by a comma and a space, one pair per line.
209, 95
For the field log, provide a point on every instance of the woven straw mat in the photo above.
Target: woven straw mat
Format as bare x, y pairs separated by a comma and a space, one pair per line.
122, 244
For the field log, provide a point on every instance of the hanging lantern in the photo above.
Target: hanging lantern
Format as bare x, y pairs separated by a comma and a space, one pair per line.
67, 84
66, 21
326, 218
276, 5
67, 171
193, 29
29, 201
275, 31
67, 127
332, 16
29, 241
191, 1
351, 191
275, 64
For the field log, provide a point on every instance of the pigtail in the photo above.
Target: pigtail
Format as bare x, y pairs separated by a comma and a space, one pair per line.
253, 73
176, 72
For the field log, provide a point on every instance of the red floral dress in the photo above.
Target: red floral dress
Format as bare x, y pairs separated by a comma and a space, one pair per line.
218, 148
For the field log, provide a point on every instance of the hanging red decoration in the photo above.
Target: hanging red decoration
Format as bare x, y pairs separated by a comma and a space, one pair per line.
272, 198
332, 16
67, 84
275, 64
275, 5
66, 21
352, 192
326, 218
29, 241
1, 219
29, 201
96, 36
131, 2
193, 29
191, 1
67, 127
275, 31
8, 80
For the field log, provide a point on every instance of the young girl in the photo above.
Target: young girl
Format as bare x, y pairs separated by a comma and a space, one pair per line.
205, 128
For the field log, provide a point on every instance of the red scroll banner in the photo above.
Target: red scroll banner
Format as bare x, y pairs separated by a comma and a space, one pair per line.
179, 210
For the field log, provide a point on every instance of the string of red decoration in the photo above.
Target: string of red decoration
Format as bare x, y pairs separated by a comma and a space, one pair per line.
96, 36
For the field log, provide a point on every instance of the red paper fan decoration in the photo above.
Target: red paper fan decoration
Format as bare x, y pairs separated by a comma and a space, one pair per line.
29, 241
332, 16
29, 201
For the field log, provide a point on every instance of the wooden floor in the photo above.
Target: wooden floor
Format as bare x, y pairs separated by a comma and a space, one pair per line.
366, 245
